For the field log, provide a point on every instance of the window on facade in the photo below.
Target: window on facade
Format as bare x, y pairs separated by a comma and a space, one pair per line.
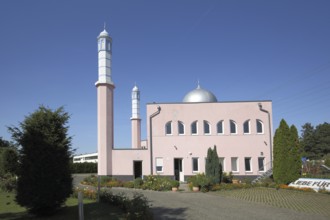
246, 127
247, 161
168, 128
233, 129
220, 127
260, 127
159, 165
234, 164
222, 162
194, 127
180, 127
261, 163
207, 129
195, 164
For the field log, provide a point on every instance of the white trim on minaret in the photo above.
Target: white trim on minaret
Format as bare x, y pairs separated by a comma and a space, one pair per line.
104, 57
135, 119
135, 103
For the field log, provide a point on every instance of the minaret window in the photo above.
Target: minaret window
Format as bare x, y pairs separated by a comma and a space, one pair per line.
180, 128
168, 128
194, 127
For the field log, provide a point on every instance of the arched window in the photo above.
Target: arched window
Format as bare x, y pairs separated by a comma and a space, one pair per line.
246, 127
233, 127
260, 127
207, 127
168, 128
194, 127
220, 127
180, 127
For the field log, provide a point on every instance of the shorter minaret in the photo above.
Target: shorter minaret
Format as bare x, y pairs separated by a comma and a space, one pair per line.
136, 120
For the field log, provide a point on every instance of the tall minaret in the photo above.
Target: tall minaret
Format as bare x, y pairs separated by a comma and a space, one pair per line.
136, 120
105, 88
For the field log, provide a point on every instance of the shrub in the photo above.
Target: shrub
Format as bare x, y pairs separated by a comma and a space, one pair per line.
175, 183
87, 193
90, 180
8, 182
201, 180
128, 184
157, 183
138, 182
135, 208
227, 177
84, 167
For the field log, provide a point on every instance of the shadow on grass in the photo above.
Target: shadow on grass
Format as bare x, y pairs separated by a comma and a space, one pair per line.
93, 211
168, 213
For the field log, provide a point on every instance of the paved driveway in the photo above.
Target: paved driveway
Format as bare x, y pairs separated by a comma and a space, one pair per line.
209, 206
189, 205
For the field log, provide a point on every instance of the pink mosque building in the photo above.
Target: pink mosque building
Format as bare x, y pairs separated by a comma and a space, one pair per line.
179, 134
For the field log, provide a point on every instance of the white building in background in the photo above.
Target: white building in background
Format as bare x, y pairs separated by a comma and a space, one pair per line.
85, 158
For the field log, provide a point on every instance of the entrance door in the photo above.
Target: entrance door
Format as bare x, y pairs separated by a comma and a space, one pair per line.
137, 167
178, 169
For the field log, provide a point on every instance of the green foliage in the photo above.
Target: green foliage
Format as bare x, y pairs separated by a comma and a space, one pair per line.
202, 181
286, 154
227, 177
8, 182
87, 193
327, 160
213, 168
84, 167
175, 183
44, 175
9, 161
138, 182
8, 158
135, 208
315, 141
128, 184
157, 183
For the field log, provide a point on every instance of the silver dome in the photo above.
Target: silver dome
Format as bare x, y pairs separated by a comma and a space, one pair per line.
199, 95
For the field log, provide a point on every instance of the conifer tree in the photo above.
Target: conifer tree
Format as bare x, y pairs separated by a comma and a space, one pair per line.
213, 168
295, 153
44, 176
287, 154
281, 157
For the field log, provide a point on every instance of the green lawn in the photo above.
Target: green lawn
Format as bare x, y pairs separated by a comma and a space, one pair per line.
93, 210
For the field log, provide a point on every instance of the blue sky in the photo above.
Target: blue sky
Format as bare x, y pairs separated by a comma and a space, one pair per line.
239, 50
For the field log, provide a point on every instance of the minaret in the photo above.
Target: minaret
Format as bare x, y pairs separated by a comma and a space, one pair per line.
136, 120
105, 88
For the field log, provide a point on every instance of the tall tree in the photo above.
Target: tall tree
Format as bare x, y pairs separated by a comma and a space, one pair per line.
308, 141
322, 137
281, 146
294, 155
44, 177
315, 141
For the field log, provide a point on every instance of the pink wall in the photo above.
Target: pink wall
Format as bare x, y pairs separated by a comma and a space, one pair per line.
228, 145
